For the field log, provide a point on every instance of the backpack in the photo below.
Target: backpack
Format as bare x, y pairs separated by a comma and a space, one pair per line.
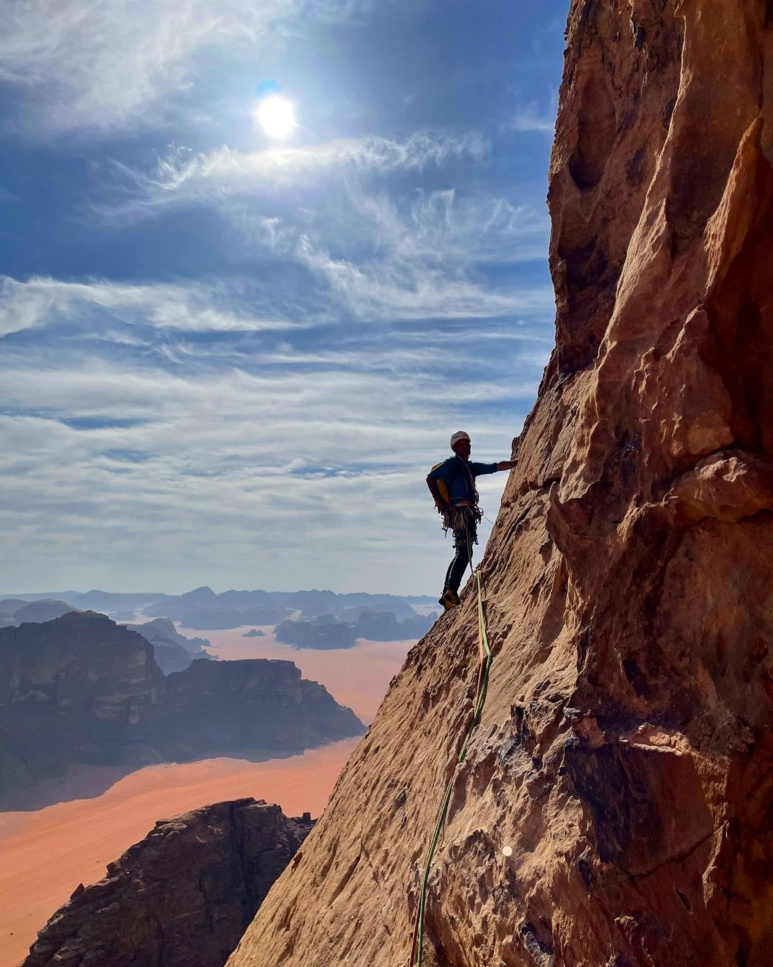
442, 486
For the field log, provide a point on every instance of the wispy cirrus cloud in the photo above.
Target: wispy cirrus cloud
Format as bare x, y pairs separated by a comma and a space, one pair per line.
379, 249
399, 288
529, 117
184, 177
110, 65
193, 307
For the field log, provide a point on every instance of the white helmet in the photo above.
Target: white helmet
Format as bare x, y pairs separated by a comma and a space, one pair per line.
459, 435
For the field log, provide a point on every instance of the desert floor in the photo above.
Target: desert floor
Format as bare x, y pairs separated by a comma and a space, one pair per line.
45, 854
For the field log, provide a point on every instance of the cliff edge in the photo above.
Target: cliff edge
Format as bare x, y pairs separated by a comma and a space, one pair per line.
615, 804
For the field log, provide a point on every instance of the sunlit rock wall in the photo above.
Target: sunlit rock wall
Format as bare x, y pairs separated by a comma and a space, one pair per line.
615, 805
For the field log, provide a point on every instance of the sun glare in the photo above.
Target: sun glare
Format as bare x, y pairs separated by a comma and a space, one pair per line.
276, 115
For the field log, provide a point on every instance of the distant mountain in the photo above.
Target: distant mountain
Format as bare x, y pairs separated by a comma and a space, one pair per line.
172, 651
324, 633
384, 626
81, 689
160, 628
108, 602
206, 610
184, 894
44, 610
327, 632
9, 605
214, 619
398, 609
312, 604
16, 611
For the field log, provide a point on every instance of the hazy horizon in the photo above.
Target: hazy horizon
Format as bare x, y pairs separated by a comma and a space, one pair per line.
186, 590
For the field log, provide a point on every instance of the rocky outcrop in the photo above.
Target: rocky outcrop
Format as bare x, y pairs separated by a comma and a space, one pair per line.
614, 807
83, 689
181, 897
249, 707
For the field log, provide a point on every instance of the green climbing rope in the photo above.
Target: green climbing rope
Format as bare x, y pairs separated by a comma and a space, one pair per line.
417, 950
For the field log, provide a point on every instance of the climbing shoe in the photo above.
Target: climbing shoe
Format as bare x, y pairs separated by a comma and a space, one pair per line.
449, 599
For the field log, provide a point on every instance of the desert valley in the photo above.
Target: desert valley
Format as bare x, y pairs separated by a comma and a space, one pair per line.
90, 816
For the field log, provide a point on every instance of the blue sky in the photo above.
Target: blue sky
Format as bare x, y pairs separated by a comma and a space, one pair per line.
231, 359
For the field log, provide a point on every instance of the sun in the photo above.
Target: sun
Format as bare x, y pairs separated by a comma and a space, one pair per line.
276, 115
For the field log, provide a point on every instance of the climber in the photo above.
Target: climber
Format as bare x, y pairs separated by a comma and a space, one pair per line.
452, 485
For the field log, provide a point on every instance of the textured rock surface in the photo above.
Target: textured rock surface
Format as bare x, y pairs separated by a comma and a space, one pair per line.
615, 807
181, 897
83, 689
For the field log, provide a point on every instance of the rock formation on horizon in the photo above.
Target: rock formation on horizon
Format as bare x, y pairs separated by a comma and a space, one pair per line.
18, 612
323, 633
173, 652
81, 689
614, 808
181, 897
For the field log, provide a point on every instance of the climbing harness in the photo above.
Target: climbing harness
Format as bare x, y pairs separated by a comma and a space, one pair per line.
455, 516
484, 668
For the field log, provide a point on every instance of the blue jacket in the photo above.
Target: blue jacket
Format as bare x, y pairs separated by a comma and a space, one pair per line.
459, 475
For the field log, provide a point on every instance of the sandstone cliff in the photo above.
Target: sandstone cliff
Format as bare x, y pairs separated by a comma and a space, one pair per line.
83, 689
181, 897
615, 806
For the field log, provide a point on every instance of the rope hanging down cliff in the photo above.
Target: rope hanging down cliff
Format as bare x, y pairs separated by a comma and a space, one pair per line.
484, 668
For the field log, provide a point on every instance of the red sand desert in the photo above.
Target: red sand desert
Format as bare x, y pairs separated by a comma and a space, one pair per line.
45, 854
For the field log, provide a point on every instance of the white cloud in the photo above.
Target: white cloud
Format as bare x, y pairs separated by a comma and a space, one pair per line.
399, 288
194, 308
185, 177
105, 65
528, 117
214, 470
379, 253
123, 472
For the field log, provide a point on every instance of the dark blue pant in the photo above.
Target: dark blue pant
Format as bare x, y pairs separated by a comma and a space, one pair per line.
465, 528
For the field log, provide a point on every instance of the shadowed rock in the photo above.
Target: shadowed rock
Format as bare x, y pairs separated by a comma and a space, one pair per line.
181, 897
82, 689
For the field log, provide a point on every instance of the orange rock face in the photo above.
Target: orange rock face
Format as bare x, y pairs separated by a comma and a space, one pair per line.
615, 808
